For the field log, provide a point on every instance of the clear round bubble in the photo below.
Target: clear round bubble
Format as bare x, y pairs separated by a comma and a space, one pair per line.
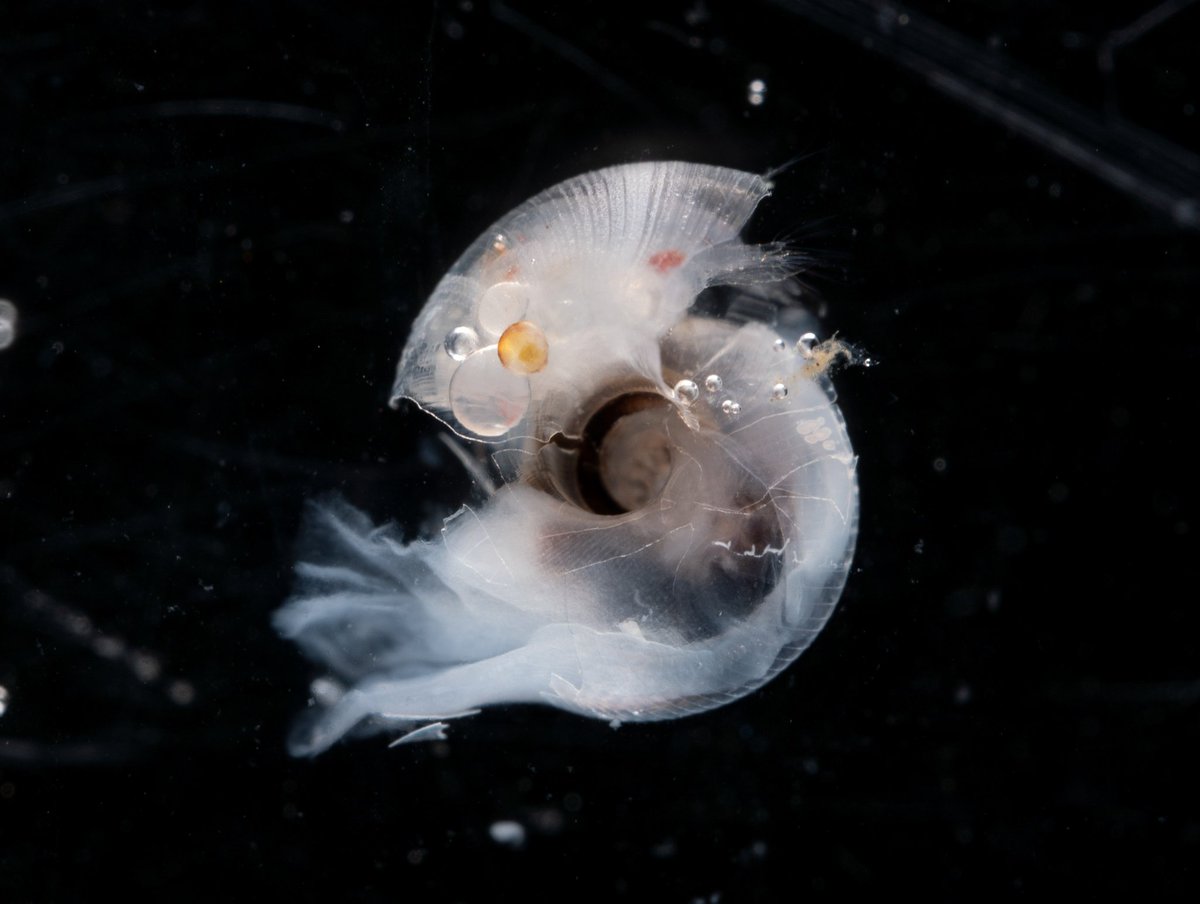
779, 345
713, 383
778, 391
486, 397
804, 345
461, 342
731, 408
687, 391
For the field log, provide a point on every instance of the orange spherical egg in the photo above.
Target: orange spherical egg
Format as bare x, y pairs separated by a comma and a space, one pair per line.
523, 348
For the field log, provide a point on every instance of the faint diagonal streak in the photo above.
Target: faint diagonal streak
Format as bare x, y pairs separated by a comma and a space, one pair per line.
1137, 162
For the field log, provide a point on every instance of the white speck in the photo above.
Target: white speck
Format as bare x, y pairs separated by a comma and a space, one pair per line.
508, 833
145, 666
8, 323
326, 691
108, 647
632, 628
181, 692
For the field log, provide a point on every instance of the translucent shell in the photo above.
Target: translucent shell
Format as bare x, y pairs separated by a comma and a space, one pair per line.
677, 503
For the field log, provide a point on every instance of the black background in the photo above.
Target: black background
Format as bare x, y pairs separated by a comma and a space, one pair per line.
217, 223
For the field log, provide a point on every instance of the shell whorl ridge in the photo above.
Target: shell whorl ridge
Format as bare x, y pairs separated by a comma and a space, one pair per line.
678, 503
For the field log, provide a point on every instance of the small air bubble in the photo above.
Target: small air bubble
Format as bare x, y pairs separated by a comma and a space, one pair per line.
804, 345
778, 391
3, 699
461, 342
713, 383
731, 408
687, 391
779, 345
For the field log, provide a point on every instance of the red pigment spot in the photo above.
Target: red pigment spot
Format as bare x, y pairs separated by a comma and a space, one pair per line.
511, 273
662, 261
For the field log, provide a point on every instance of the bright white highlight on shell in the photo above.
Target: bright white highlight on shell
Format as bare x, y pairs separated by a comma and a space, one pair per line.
652, 550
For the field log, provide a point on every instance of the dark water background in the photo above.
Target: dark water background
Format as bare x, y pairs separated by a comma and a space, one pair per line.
217, 223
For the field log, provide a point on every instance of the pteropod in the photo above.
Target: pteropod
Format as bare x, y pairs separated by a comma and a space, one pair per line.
675, 507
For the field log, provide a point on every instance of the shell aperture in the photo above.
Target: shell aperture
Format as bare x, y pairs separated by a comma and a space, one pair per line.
678, 504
